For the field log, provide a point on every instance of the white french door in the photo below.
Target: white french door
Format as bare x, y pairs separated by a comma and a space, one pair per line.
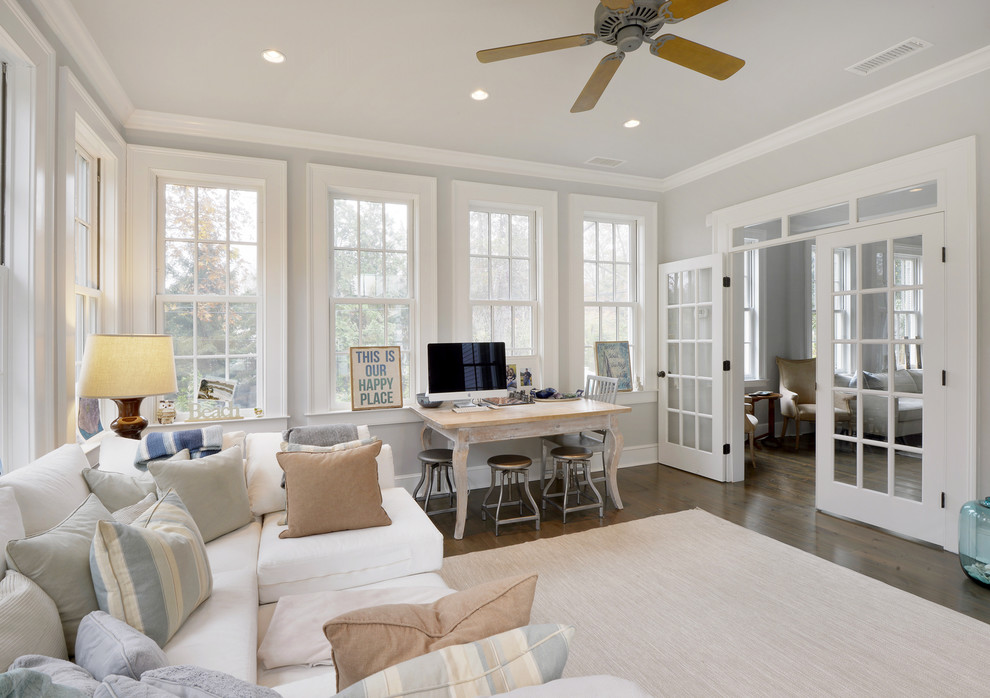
880, 399
690, 408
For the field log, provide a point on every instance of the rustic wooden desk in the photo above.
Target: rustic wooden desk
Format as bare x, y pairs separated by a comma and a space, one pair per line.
519, 422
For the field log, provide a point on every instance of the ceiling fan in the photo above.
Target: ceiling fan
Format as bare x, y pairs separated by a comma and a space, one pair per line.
627, 24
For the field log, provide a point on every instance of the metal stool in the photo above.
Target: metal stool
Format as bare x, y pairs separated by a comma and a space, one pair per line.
570, 462
436, 464
512, 470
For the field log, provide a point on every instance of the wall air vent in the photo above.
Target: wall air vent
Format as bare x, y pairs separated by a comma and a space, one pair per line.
604, 162
891, 55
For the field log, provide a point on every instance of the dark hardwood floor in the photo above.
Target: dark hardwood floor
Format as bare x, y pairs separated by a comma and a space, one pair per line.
777, 500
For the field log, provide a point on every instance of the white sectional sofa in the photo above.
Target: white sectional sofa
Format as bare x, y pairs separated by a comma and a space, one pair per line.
251, 566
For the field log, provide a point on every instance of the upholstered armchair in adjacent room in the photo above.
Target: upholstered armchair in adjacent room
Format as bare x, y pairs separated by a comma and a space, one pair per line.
797, 390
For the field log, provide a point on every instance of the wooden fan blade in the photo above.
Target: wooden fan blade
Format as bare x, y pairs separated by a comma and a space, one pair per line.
689, 54
618, 4
597, 82
533, 47
683, 9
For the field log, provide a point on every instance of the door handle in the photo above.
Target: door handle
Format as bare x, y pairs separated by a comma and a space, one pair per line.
661, 374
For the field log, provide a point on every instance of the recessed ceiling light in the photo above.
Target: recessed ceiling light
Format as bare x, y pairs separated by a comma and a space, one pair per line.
273, 56
632, 123
479, 95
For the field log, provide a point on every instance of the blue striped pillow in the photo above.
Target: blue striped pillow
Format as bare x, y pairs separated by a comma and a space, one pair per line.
153, 573
528, 656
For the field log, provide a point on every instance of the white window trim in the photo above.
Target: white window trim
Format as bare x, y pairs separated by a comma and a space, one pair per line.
645, 215
953, 167
759, 290
82, 121
27, 410
544, 204
324, 180
145, 165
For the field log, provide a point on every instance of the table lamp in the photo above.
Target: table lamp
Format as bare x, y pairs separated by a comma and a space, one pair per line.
126, 368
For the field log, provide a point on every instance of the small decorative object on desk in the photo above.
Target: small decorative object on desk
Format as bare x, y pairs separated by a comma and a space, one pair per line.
974, 540
166, 411
553, 395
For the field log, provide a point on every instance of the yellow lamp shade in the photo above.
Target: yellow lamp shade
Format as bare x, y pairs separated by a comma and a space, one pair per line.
127, 365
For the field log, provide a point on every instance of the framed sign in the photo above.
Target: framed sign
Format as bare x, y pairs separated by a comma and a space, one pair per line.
612, 360
376, 378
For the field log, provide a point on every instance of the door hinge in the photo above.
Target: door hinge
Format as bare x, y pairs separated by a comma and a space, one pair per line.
726, 281
726, 449
943, 500
726, 366
943, 377
943, 255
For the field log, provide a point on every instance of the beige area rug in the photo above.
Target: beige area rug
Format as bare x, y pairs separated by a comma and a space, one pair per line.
690, 604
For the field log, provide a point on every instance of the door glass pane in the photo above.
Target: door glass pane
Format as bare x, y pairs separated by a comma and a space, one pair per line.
907, 475
818, 219
705, 434
907, 356
673, 393
687, 287
673, 426
844, 316
875, 264
874, 468
844, 405
688, 394
704, 322
705, 285
909, 413
903, 200
687, 322
908, 314
704, 397
672, 289
687, 359
704, 359
845, 462
688, 423
907, 261
673, 358
875, 316
672, 325
875, 366
875, 417
844, 272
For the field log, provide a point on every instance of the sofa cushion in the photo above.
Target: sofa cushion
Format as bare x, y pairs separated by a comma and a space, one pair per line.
61, 671
212, 489
191, 681
521, 657
58, 561
11, 526
105, 646
368, 640
333, 491
116, 686
154, 573
29, 622
222, 634
238, 550
345, 559
50, 488
117, 490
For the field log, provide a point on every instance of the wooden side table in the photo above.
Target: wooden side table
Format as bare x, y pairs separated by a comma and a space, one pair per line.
770, 437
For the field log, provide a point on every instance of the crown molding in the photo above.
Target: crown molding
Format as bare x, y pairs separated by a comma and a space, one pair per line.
70, 30
915, 86
180, 124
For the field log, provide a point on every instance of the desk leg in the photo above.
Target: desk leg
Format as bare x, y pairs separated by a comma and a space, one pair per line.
613, 448
461, 485
424, 437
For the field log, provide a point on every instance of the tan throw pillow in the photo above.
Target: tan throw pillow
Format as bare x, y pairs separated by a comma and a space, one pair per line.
371, 639
335, 491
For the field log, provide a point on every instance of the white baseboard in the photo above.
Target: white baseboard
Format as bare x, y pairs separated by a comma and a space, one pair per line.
479, 476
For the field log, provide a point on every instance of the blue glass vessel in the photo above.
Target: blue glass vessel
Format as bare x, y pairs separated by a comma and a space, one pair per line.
974, 540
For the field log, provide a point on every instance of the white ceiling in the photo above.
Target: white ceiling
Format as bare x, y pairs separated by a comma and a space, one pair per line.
401, 71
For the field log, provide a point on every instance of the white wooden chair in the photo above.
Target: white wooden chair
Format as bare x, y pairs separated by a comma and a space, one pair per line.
601, 389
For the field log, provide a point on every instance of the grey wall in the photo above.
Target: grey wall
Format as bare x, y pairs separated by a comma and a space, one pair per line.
638, 427
947, 114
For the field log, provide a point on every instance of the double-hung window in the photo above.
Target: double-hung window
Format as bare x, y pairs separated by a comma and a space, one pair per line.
907, 308
372, 294
219, 274
610, 268
503, 269
88, 292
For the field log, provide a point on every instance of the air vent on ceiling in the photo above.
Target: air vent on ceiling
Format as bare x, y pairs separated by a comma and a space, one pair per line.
604, 162
891, 55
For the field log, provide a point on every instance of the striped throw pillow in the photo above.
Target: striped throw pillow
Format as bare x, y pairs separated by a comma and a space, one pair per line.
528, 656
153, 573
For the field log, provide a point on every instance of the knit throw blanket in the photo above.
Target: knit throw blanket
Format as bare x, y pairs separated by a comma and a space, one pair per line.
321, 434
162, 444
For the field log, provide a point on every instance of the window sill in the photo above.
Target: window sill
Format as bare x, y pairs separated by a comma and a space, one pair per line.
175, 426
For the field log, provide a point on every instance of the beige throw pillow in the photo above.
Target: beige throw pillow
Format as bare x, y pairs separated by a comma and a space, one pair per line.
366, 641
333, 491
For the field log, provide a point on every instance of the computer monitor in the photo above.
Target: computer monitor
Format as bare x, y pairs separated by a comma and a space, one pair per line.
466, 370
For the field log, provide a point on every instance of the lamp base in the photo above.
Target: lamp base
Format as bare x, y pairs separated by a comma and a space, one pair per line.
129, 423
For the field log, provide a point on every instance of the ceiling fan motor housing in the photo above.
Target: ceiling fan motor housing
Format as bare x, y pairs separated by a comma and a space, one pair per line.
627, 29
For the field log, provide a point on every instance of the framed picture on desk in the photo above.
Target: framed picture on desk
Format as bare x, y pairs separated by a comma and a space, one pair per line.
612, 360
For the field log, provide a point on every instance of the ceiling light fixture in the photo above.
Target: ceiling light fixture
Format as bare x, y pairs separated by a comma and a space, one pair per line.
273, 55
632, 123
479, 95
915, 190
